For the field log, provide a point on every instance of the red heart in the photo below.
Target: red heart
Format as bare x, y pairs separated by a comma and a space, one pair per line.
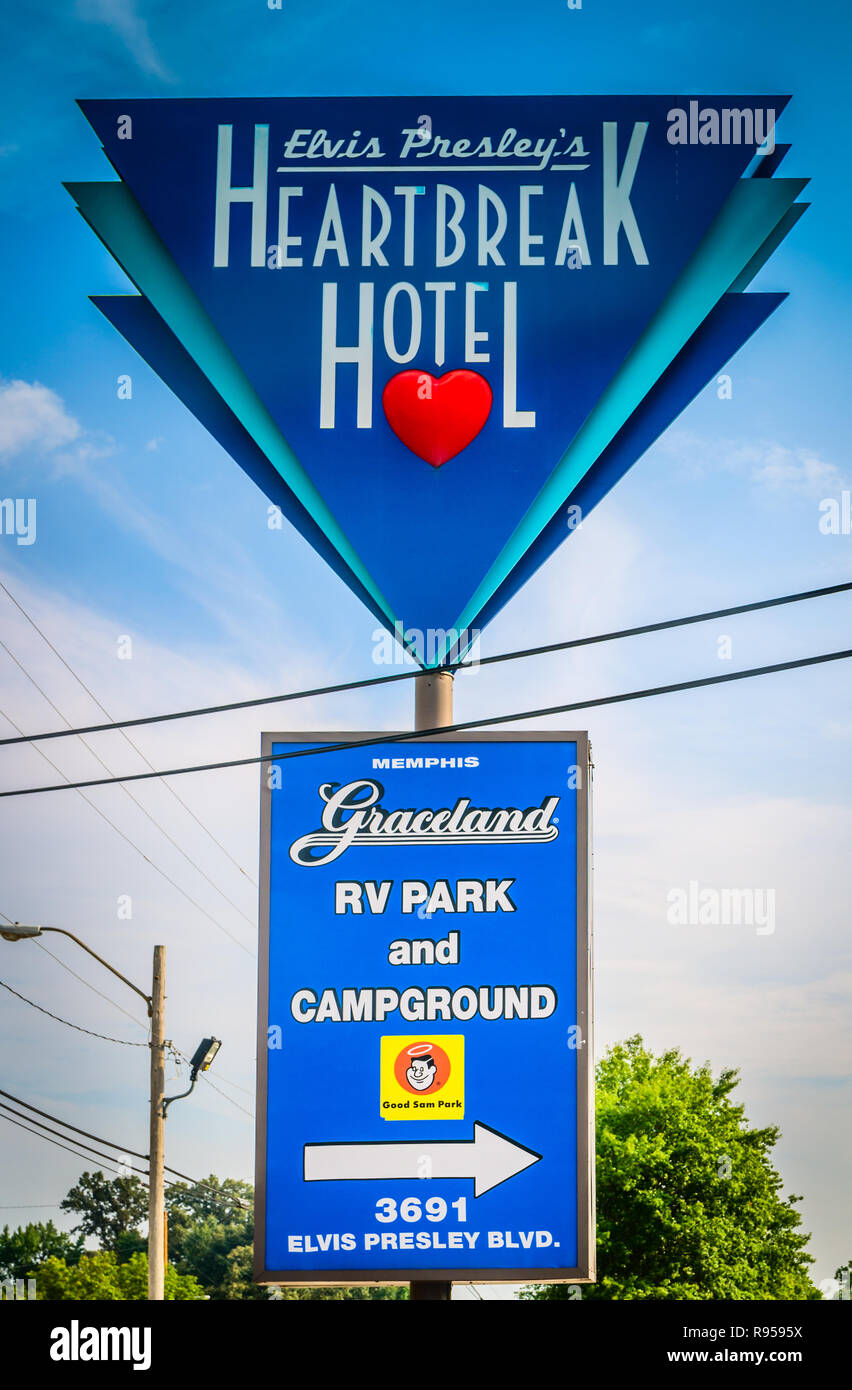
437, 417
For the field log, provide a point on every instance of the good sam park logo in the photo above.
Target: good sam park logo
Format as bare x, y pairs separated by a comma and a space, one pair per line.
441, 318
422, 1079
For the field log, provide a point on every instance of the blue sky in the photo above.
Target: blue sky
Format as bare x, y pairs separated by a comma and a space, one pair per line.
146, 528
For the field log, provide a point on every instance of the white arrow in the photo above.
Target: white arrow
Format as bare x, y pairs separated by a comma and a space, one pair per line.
489, 1158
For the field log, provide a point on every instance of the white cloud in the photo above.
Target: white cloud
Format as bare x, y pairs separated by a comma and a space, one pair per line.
33, 417
120, 16
799, 469
91, 446
762, 461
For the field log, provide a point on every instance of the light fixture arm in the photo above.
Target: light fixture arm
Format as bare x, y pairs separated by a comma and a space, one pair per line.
200, 1061
167, 1100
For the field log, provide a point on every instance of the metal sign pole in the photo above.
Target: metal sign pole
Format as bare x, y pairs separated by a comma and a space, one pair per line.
433, 700
433, 709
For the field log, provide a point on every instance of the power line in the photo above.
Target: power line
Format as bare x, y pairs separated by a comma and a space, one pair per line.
66, 1124
224, 1200
522, 653
56, 1142
107, 997
228, 1082
126, 737
665, 625
123, 1041
225, 1096
127, 839
146, 813
109, 1158
416, 735
110, 1143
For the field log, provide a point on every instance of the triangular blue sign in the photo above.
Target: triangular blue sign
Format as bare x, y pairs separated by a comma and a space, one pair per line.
431, 316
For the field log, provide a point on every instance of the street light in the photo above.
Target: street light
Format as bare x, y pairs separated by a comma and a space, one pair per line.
204, 1054
156, 1001
200, 1061
16, 931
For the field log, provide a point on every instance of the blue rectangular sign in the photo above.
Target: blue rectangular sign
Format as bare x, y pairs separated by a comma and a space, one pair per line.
424, 1046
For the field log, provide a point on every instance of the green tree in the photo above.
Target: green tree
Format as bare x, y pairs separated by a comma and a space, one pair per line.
210, 1234
24, 1249
99, 1276
207, 1222
358, 1292
689, 1205
211, 1228
109, 1207
238, 1282
130, 1243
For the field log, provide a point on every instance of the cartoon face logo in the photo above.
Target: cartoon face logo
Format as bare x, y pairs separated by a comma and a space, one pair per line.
421, 1065
422, 1069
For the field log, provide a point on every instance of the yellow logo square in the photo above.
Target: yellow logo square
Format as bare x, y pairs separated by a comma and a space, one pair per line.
422, 1077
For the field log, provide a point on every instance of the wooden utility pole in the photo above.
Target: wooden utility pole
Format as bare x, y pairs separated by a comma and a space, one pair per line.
156, 1148
433, 708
